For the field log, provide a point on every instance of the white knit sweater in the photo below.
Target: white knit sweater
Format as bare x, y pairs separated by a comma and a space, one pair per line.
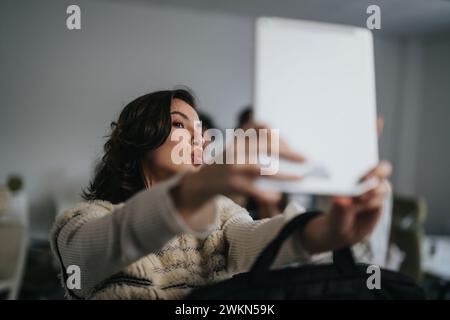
145, 238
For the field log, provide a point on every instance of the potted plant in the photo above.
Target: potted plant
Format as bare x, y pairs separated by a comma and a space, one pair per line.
18, 202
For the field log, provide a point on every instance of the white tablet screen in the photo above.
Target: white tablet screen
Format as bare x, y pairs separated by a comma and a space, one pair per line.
315, 82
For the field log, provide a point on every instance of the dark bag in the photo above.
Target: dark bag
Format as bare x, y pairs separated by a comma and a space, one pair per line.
343, 279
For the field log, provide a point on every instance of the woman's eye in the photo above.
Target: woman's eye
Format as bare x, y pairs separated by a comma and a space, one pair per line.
178, 124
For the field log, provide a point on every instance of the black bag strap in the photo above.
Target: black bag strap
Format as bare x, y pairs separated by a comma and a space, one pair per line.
345, 262
343, 258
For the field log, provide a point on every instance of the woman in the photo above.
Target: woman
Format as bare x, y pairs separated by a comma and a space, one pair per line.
153, 229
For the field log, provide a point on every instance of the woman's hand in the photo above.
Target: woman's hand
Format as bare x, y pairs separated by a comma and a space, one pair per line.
284, 150
275, 145
349, 220
195, 189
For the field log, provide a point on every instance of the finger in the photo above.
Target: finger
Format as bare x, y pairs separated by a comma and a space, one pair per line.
371, 200
254, 171
341, 202
261, 126
264, 196
254, 125
383, 170
291, 155
244, 186
380, 190
283, 177
380, 126
284, 151
375, 203
250, 170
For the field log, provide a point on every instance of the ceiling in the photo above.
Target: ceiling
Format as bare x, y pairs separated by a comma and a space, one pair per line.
398, 17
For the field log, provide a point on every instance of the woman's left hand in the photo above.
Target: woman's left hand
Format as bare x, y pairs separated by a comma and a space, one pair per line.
349, 220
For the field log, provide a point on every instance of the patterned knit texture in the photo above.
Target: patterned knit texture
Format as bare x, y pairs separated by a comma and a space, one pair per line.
181, 262
185, 262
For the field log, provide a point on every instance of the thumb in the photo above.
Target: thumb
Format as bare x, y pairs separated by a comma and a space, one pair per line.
341, 204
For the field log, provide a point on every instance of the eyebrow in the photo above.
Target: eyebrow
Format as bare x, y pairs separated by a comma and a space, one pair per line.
181, 114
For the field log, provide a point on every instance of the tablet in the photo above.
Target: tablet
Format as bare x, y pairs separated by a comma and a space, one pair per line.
315, 82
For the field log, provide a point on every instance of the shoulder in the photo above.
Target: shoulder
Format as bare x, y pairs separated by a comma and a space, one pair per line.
83, 210
95, 207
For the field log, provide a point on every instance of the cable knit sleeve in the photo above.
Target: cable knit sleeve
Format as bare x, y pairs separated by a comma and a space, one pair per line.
101, 239
247, 238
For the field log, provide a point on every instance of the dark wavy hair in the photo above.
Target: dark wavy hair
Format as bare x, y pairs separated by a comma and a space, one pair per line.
143, 125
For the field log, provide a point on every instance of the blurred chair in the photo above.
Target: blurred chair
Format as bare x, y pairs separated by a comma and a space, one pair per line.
13, 247
408, 215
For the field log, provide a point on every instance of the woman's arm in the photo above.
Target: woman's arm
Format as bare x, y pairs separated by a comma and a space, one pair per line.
247, 238
373, 248
101, 242
349, 221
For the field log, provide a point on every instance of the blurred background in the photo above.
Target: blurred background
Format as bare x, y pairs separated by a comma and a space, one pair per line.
60, 90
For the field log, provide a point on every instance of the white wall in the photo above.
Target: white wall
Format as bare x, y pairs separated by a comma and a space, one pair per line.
388, 61
416, 78
60, 89
407, 123
433, 166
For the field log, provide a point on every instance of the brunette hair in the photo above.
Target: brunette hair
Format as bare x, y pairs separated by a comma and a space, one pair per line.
143, 125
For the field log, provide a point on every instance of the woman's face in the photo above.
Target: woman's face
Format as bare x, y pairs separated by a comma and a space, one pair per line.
159, 165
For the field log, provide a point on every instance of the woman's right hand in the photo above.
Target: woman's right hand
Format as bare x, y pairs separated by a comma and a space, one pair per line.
197, 188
